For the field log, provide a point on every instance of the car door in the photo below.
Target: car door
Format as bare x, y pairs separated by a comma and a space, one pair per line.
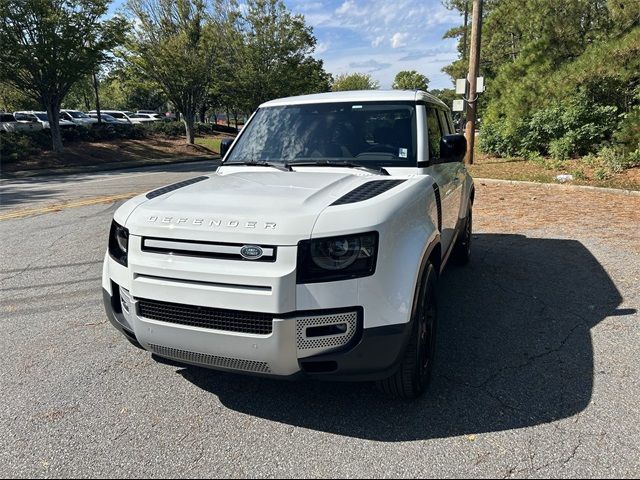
458, 168
445, 175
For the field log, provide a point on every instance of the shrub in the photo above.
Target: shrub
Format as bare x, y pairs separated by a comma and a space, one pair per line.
561, 148
574, 126
578, 174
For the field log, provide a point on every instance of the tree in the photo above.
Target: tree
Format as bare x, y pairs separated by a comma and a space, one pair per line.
176, 45
354, 81
273, 55
447, 95
49, 45
410, 80
538, 55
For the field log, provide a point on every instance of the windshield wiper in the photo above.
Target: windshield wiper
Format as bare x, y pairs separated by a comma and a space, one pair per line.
283, 167
347, 164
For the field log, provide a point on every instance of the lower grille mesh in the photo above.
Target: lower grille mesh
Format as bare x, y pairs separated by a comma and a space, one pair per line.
206, 317
305, 343
211, 360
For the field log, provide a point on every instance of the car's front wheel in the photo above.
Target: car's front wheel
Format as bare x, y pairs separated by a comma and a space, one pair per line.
414, 373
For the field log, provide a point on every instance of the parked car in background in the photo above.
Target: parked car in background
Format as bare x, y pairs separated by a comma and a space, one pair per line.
42, 118
106, 118
122, 115
77, 117
8, 123
150, 117
150, 112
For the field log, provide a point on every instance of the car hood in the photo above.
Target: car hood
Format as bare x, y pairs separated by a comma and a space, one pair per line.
266, 207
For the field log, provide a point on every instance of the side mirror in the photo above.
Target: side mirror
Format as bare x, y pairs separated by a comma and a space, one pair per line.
453, 148
225, 145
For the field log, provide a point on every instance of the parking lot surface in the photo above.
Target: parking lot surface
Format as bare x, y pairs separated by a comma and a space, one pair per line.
537, 370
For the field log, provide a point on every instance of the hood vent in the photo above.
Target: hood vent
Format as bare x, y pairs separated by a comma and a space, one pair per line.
174, 186
367, 190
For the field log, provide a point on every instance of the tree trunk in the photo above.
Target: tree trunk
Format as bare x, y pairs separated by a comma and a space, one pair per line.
189, 127
228, 119
95, 89
235, 119
203, 112
53, 112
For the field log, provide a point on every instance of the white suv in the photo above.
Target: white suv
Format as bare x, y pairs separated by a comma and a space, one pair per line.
42, 118
78, 117
314, 250
126, 116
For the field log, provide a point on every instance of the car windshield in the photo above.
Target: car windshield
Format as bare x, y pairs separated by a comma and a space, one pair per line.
372, 134
133, 115
42, 116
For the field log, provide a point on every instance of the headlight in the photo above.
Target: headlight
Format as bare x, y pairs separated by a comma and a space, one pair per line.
119, 243
337, 258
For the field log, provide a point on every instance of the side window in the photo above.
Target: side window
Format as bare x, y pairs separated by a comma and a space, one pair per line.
434, 133
117, 115
446, 130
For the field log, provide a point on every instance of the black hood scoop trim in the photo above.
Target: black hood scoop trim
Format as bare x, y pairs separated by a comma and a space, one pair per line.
367, 190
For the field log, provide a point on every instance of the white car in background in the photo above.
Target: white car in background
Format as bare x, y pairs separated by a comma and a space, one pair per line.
130, 117
78, 117
8, 123
106, 118
42, 118
150, 117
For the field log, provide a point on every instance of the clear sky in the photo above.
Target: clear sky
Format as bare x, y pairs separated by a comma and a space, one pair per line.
380, 37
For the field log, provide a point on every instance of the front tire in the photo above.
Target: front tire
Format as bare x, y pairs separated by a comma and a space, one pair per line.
414, 373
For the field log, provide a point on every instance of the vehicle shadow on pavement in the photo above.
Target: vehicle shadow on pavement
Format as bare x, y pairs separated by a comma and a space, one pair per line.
514, 350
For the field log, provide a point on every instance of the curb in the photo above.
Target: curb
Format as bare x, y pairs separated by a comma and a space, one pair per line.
104, 167
615, 191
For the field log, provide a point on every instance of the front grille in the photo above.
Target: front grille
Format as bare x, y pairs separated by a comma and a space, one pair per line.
206, 317
211, 360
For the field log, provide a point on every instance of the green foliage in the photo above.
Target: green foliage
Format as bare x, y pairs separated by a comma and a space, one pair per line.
271, 57
49, 45
628, 132
175, 45
579, 174
574, 126
559, 75
410, 80
354, 81
447, 95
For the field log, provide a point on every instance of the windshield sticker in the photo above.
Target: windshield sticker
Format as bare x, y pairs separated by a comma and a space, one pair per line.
403, 153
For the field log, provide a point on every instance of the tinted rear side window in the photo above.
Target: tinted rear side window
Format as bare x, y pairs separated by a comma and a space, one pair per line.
434, 133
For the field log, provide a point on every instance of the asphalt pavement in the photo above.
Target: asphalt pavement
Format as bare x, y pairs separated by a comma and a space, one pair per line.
537, 370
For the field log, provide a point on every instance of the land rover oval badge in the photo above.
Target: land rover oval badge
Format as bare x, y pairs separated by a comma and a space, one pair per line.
251, 252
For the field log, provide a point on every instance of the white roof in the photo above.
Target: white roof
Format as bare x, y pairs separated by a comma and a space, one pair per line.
357, 96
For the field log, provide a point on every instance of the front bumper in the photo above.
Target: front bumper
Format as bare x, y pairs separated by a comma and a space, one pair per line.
356, 355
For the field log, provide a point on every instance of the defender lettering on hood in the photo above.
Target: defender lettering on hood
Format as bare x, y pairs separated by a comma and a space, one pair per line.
202, 222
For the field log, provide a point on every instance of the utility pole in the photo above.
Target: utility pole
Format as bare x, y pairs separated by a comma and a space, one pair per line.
474, 65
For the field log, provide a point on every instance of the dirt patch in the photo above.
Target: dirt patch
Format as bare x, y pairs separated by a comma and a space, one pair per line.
569, 214
95, 153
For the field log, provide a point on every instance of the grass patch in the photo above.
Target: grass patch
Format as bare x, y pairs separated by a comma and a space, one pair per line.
212, 143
